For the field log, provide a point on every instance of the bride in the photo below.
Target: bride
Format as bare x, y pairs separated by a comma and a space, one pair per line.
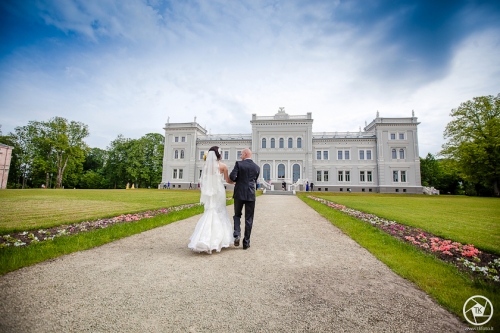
214, 230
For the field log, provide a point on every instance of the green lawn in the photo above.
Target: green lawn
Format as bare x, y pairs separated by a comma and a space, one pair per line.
37, 208
469, 220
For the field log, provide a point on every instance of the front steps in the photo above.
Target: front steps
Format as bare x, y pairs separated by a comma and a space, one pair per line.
268, 192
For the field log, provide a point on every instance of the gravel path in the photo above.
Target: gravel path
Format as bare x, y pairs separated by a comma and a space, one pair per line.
300, 274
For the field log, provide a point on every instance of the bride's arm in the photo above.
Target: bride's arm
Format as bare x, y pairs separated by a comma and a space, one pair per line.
226, 175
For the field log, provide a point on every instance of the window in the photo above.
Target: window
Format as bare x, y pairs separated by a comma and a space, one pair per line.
174, 175
339, 154
346, 154
180, 173
368, 176
401, 136
176, 154
318, 154
201, 154
368, 154
299, 143
394, 154
282, 143
318, 176
395, 176
176, 139
273, 145
361, 154
325, 155
183, 139
361, 176
296, 172
281, 171
226, 155
290, 143
403, 176
182, 154
325, 176
264, 141
341, 176
267, 172
402, 154
393, 136
238, 155
347, 176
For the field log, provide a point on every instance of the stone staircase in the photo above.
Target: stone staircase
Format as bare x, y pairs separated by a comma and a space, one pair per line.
280, 192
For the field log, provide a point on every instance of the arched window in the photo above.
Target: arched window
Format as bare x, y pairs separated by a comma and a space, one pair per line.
176, 154
264, 143
296, 172
281, 171
290, 143
402, 154
182, 154
273, 145
394, 154
282, 143
299, 142
267, 172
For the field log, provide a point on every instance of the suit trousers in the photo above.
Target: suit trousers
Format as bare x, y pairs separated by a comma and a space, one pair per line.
249, 211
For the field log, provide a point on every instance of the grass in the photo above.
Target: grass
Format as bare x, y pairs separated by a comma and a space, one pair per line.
36, 208
443, 281
13, 258
468, 220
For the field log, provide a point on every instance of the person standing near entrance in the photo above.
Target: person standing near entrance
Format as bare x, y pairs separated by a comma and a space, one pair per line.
245, 175
312, 187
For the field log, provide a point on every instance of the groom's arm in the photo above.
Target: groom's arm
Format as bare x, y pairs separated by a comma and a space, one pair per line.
234, 174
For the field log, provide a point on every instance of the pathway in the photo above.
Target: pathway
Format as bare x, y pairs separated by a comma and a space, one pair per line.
300, 274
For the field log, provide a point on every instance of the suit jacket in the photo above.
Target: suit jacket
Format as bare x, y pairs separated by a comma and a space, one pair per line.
245, 174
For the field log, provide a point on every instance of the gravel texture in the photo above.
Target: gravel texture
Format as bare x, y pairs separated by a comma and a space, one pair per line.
300, 274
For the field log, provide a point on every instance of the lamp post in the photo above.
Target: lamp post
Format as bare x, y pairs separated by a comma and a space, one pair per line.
50, 181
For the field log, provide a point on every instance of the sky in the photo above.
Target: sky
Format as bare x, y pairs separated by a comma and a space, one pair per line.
126, 67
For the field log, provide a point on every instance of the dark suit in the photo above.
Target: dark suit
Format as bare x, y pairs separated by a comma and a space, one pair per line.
245, 174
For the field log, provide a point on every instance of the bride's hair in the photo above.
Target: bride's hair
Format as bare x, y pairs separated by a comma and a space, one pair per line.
216, 150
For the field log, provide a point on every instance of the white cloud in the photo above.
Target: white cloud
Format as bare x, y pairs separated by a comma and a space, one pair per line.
139, 65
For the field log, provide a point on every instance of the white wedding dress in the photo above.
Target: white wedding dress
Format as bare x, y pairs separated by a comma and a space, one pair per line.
214, 230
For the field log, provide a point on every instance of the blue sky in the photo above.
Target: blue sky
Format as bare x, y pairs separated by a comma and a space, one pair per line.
124, 67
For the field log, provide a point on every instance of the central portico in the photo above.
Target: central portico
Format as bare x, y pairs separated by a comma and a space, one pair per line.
282, 146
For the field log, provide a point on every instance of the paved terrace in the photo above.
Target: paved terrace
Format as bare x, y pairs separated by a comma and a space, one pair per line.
300, 274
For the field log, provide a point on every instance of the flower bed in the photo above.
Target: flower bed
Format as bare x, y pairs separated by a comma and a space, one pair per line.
466, 257
26, 238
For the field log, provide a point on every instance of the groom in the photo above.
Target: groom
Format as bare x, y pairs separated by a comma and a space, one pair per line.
245, 175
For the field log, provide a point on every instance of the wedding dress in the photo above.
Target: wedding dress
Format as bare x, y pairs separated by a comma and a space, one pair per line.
214, 229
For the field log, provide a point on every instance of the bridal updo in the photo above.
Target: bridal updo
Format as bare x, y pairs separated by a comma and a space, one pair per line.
216, 150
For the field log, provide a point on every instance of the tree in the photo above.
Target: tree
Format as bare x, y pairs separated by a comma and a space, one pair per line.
137, 161
26, 150
474, 141
47, 147
430, 171
115, 168
65, 140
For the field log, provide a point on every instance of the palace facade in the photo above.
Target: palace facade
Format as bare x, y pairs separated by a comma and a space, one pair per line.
382, 158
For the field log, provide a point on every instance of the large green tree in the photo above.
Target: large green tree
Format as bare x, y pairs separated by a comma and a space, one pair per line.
474, 141
135, 161
49, 147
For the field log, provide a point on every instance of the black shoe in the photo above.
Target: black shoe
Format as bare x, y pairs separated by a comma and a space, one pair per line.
246, 247
237, 241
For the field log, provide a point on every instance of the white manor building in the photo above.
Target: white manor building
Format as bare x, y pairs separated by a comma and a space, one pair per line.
382, 158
